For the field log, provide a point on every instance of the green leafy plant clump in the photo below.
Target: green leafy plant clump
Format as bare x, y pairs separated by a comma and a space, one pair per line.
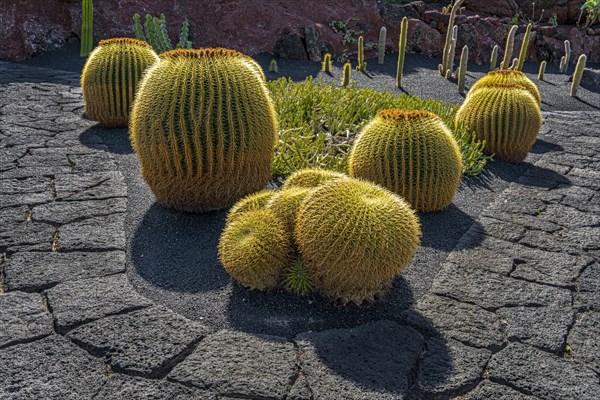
319, 123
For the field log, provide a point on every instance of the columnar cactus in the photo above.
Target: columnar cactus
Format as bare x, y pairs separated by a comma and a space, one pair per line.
506, 116
346, 74
508, 76
362, 65
87, 28
462, 69
524, 46
204, 129
401, 51
111, 76
542, 71
564, 61
494, 58
273, 67
354, 238
578, 74
411, 153
326, 65
381, 45
508, 49
450, 33
256, 250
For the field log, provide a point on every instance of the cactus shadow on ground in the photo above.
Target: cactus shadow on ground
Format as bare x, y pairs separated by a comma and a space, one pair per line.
97, 137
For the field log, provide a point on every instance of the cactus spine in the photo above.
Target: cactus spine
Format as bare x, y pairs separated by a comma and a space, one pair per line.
509, 76
381, 45
494, 58
354, 238
401, 51
506, 116
411, 153
564, 61
346, 74
326, 65
110, 79
508, 49
450, 34
273, 67
87, 28
542, 70
462, 69
204, 129
362, 65
578, 74
524, 46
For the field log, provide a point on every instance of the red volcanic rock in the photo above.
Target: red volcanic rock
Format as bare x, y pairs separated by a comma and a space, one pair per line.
421, 38
499, 8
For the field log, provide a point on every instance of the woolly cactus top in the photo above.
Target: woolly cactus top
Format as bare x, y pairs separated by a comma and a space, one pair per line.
123, 40
202, 53
397, 114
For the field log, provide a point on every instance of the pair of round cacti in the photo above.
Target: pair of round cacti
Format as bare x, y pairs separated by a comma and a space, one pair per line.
353, 237
202, 123
503, 108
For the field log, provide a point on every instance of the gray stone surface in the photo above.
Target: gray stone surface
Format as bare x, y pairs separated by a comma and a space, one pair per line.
124, 387
542, 374
96, 233
52, 368
26, 236
240, 365
588, 295
584, 340
147, 342
449, 366
90, 186
76, 302
23, 317
64, 212
373, 361
40, 270
487, 390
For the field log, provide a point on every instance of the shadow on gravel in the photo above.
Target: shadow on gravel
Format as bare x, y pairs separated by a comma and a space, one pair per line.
116, 139
541, 147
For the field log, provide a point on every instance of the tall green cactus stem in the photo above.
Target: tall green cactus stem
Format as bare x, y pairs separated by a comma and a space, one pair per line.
509, 76
381, 45
564, 67
151, 34
401, 51
578, 74
184, 42
494, 58
326, 64
163, 36
362, 65
506, 116
87, 28
204, 129
138, 28
524, 46
411, 153
542, 70
515, 63
561, 66
346, 74
354, 238
452, 54
273, 67
256, 250
111, 77
445, 65
508, 49
462, 69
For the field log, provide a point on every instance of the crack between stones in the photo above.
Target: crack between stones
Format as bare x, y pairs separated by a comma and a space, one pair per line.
47, 286
3, 262
64, 330
24, 341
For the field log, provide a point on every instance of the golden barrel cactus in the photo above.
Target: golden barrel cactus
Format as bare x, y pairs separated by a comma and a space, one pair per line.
204, 129
256, 250
285, 205
250, 202
311, 178
354, 238
506, 116
508, 76
111, 76
411, 153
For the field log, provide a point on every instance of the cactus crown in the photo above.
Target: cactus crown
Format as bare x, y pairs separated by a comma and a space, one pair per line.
123, 40
398, 114
508, 76
202, 53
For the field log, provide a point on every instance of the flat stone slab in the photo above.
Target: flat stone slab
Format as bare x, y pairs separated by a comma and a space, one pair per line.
96, 233
584, 340
64, 212
147, 342
120, 387
588, 296
23, 317
533, 371
373, 361
36, 270
240, 365
26, 236
90, 186
487, 390
77, 302
52, 368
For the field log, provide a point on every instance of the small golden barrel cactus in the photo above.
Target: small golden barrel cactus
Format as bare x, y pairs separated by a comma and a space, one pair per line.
506, 116
285, 205
508, 76
354, 238
256, 250
204, 129
250, 202
111, 76
311, 178
411, 153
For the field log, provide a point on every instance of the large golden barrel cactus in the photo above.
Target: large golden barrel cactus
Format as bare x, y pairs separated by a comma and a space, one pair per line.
506, 116
411, 153
311, 178
110, 78
204, 129
250, 202
508, 76
355, 237
256, 250
286, 204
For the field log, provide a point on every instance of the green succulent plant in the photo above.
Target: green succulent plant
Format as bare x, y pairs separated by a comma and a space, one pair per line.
411, 153
204, 129
298, 280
